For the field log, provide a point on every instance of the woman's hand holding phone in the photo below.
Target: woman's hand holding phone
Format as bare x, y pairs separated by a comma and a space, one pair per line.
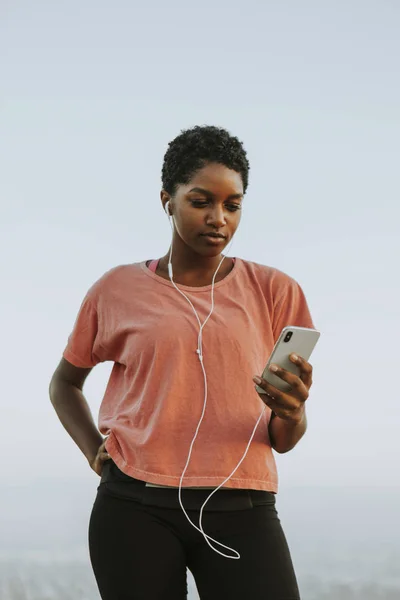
288, 405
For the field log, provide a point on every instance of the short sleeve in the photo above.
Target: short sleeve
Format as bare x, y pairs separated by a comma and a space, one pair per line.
291, 309
83, 348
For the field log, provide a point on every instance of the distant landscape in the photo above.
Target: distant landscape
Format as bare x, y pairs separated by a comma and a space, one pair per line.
345, 542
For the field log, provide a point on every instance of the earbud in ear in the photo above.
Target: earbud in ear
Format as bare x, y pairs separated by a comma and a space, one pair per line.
167, 209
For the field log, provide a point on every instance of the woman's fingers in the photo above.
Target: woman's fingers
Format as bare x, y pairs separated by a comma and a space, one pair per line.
281, 403
298, 388
306, 370
103, 456
287, 409
102, 448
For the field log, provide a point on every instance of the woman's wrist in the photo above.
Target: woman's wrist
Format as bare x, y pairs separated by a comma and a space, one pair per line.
285, 433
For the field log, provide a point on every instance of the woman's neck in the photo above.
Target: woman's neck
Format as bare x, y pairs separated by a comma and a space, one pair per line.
196, 273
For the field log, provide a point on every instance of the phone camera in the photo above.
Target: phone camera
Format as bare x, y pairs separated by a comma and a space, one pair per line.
288, 336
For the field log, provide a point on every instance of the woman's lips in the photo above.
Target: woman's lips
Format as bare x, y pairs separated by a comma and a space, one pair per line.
214, 240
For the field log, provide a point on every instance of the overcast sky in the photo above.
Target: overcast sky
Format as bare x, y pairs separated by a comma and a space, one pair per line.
92, 92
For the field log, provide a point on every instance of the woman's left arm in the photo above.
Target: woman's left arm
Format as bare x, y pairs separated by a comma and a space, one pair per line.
288, 422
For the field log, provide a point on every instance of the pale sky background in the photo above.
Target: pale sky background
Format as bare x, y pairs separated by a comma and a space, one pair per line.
92, 92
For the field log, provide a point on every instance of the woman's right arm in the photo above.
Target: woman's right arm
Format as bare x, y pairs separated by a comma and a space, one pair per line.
74, 413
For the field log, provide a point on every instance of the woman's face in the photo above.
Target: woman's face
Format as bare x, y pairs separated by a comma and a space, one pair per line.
209, 204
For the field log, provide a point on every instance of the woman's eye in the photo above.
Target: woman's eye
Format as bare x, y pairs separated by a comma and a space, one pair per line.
202, 203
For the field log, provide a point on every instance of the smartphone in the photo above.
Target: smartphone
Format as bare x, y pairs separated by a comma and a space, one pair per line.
297, 340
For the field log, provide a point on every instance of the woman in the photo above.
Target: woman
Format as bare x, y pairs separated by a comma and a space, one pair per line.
138, 316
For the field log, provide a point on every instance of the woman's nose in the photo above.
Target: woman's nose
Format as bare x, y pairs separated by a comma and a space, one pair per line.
216, 217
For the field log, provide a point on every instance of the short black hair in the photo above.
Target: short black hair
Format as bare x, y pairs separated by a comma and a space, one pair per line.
193, 148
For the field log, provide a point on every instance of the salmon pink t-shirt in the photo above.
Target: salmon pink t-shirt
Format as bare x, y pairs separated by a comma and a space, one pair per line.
155, 394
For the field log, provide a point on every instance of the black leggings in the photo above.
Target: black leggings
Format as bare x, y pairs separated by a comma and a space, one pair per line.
140, 551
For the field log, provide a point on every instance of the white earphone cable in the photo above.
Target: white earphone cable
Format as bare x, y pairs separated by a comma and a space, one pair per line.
200, 356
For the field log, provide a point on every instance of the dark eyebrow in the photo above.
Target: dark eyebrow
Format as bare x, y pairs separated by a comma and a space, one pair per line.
199, 190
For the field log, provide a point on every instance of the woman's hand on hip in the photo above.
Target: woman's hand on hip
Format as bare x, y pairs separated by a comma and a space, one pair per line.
98, 461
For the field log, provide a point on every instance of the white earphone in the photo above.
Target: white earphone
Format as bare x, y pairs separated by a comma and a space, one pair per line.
199, 352
167, 209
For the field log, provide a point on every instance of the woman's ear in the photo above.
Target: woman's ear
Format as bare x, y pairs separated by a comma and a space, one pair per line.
165, 200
